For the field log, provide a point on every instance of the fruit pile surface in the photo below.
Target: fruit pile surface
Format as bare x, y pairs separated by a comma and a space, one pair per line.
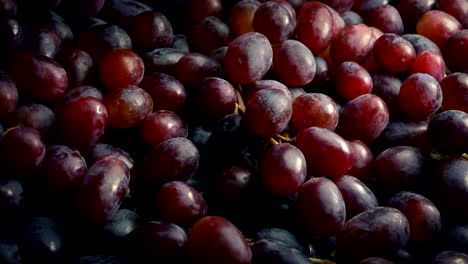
234, 131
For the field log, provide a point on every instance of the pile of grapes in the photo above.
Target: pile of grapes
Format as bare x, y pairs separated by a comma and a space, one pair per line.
234, 132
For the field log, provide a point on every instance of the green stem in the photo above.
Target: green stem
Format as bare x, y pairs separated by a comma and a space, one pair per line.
321, 261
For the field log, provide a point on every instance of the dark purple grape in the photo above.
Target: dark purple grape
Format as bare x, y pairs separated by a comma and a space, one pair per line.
8, 95
234, 183
64, 168
375, 232
213, 239
9, 252
22, 151
243, 62
387, 87
274, 21
214, 98
40, 239
351, 18
36, 116
447, 257
423, 216
363, 161
209, 34
121, 224
79, 92
161, 241
99, 39
11, 198
79, 66
162, 60
455, 238
450, 186
150, 30
321, 207
280, 235
101, 150
448, 132
401, 168
120, 12
403, 133
283, 169
268, 251
421, 43
375, 260
455, 92
166, 91
173, 159
193, 67
356, 195
104, 186
293, 63
39, 77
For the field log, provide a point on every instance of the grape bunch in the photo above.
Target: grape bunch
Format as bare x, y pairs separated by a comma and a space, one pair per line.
234, 131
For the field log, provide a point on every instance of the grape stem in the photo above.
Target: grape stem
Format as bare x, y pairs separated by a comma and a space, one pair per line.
284, 138
273, 141
240, 106
321, 261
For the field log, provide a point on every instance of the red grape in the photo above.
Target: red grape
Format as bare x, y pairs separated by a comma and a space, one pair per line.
314, 109
128, 106
193, 67
283, 169
162, 125
166, 92
420, 96
315, 26
437, 26
429, 62
363, 118
351, 80
455, 92
120, 68
150, 30
273, 21
175, 159
293, 63
268, 112
456, 51
214, 98
326, 153
81, 123
22, 151
179, 203
394, 53
104, 187
353, 43
385, 18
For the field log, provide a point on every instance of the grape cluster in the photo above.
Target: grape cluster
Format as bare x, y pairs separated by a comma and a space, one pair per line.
234, 131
